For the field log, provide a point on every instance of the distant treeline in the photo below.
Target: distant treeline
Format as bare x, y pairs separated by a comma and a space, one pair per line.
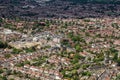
96, 1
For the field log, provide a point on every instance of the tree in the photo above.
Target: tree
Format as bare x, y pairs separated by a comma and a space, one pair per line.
1, 20
85, 66
4, 78
76, 38
3, 44
115, 25
118, 77
11, 79
115, 58
78, 48
113, 50
118, 62
87, 73
1, 71
20, 64
31, 49
16, 51
7, 55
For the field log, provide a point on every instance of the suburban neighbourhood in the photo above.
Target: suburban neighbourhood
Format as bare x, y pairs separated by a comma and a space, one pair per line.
60, 49
59, 39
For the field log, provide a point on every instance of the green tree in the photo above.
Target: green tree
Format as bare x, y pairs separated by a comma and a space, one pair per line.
16, 51
31, 49
7, 55
115, 58
3, 44
78, 48
1, 20
118, 62
1, 71
86, 73
118, 77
